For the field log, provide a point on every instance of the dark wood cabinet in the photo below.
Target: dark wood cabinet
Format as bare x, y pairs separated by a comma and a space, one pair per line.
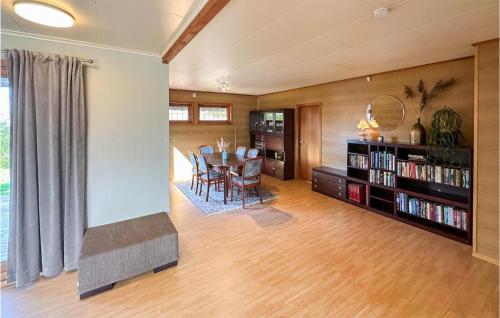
419, 185
273, 133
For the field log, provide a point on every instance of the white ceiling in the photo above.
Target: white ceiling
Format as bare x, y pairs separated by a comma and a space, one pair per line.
141, 25
265, 46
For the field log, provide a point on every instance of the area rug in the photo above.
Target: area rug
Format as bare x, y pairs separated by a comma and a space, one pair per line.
215, 204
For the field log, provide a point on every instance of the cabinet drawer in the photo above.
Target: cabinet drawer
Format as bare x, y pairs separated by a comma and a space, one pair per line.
330, 185
328, 178
274, 168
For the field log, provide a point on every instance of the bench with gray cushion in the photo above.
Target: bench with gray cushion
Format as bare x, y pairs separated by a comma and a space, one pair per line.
118, 251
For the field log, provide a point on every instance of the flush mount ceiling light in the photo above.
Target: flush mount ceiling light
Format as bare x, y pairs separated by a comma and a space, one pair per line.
381, 12
43, 13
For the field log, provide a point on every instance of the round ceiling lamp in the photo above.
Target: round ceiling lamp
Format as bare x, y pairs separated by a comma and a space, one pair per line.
381, 12
43, 13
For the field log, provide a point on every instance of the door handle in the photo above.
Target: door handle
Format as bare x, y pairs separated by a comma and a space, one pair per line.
301, 141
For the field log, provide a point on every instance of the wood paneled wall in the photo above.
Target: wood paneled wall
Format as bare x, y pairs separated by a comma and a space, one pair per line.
344, 103
486, 147
184, 137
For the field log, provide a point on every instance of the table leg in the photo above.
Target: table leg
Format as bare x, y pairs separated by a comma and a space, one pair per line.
225, 184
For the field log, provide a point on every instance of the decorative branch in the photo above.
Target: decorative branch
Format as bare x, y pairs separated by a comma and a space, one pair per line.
427, 97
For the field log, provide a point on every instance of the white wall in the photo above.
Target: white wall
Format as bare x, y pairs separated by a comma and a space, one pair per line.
127, 108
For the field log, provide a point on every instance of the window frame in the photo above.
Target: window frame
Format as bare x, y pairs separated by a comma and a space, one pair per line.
228, 106
190, 106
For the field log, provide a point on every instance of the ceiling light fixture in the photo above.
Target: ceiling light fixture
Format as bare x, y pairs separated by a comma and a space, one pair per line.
43, 13
381, 12
223, 84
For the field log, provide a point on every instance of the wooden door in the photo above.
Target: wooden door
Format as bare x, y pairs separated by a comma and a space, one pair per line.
309, 139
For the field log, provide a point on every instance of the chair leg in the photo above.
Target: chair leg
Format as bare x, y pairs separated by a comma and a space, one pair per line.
197, 182
208, 190
201, 187
192, 181
231, 187
260, 193
243, 197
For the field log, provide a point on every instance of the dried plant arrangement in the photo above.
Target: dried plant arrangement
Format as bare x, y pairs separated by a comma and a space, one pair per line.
425, 96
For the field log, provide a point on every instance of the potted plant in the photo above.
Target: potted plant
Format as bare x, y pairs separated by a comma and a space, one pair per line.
445, 128
417, 132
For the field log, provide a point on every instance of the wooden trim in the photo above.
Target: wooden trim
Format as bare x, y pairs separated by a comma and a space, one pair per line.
3, 274
3, 68
298, 106
486, 258
475, 154
228, 106
484, 42
191, 117
372, 74
209, 11
208, 92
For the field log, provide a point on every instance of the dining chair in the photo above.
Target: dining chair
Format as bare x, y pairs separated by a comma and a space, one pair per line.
252, 153
250, 178
208, 176
195, 173
207, 149
241, 150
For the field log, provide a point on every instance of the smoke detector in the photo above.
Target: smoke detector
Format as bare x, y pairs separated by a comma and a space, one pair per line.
381, 12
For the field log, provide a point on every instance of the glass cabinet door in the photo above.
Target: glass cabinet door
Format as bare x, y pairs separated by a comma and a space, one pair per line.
279, 122
254, 121
269, 120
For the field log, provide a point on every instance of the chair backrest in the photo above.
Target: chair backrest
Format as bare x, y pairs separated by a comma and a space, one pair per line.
252, 153
202, 164
192, 158
241, 150
207, 149
252, 167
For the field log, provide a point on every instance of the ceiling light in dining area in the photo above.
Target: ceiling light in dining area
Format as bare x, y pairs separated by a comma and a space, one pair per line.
381, 12
223, 84
44, 13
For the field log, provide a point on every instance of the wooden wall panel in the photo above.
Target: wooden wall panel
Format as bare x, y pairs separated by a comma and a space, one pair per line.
344, 103
184, 137
486, 183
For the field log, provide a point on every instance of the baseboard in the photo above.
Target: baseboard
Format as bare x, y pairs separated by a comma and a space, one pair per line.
486, 258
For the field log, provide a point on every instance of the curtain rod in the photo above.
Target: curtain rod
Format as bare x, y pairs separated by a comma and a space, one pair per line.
88, 61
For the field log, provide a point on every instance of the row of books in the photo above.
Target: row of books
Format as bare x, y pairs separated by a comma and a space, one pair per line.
358, 161
432, 211
383, 160
382, 177
356, 192
434, 173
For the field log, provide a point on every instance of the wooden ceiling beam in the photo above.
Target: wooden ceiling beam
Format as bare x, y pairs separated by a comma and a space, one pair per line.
209, 11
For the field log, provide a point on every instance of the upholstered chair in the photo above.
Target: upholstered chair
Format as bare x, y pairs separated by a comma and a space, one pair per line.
195, 173
208, 177
207, 149
241, 150
250, 178
252, 153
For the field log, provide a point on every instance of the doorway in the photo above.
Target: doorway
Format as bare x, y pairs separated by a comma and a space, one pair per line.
309, 121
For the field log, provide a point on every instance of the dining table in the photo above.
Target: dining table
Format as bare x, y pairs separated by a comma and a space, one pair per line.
233, 161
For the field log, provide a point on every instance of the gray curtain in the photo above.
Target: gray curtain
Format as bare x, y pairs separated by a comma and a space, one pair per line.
48, 154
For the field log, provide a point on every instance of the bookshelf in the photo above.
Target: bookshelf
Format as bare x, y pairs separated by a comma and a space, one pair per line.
419, 185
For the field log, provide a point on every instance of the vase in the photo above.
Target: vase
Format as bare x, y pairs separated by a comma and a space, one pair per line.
225, 155
417, 134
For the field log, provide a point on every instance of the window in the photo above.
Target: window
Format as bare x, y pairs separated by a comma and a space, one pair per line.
180, 112
214, 113
4, 169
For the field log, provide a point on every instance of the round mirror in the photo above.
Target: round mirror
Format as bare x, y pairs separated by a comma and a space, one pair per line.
385, 112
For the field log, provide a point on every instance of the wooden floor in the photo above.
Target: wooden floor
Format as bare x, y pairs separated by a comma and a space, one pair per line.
314, 256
